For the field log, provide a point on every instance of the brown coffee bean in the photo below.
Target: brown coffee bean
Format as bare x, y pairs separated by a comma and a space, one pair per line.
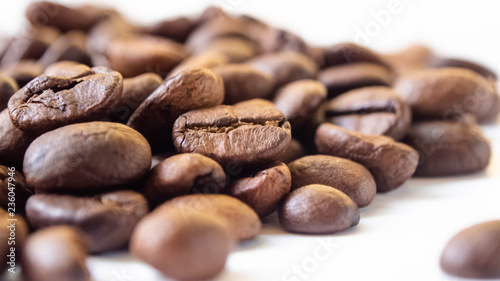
294, 151
22, 71
242, 221
274, 40
318, 209
237, 50
107, 220
13, 187
413, 58
263, 189
19, 231
449, 148
180, 174
68, 69
70, 46
13, 142
209, 59
49, 102
391, 163
299, 100
340, 79
285, 67
135, 91
29, 47
438, 62
474, 252
86, 157
186, 245
8, 87
177, 29
371, 110
248, 134
243, 82
192, 88
349, 53
347, 176
448, 92
55, 254
134, 55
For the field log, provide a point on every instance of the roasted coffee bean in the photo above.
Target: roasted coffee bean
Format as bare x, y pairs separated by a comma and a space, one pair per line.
192, 88
438, 62
22, 71
448, 92
449, 148
340, 79
8, 87
209, 59
55, 254
186, 245
177, 29
294, 151
277, 40
86, 157
248, 134
474, 252
13, 187
70, 46
158, 158
318, 209
243, 82
30, 47
391, 163
263, 189
68, 69
299, 100
345, 175
242, 221
348, 53
107, 220
285, 67
64, 18
13, 142
50, 102
135, 91
134, 55
318, 55
237, 50
411, 59
370, 110
19, 231
180, 174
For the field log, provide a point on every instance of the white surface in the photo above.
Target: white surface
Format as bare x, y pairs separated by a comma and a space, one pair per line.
401, 234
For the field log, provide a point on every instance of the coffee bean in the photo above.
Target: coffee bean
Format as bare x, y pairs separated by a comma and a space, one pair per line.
50, 102
182, 244
474, 252
347, 176
448, 92
22, 71
209, 59
237, 50
243, 82
69, 46
318, 209
391, 163
278, 40
439, 62
68, 69
177, 29
158, 158
263, 189
285, 67
86, 157
13, 142
294, 151
20, 232
135, 91
8, 87
243, 223
371, 110
299, 100
180, 174
449, 148
13, 185
413, 58
248, 134
55, 254
107, 220
340, 79
318, 55
134, 55
29, 47
349, 53
192, 88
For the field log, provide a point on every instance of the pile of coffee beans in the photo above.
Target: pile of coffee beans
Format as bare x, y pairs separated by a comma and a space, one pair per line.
174, 140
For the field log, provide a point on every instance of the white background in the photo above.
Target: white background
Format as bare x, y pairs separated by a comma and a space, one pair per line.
401, 234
